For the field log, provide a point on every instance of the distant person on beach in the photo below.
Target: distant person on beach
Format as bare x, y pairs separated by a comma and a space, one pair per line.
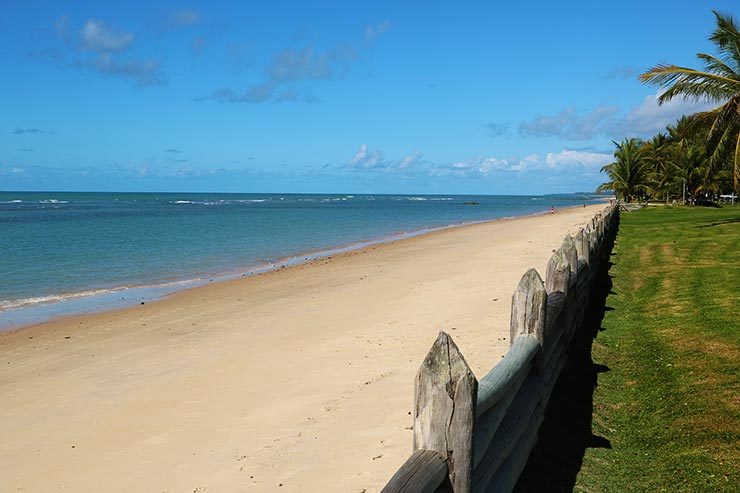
552, 210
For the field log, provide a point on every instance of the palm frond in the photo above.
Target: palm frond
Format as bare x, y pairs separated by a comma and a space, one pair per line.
690, 83
727, 38
714, 65
726, 116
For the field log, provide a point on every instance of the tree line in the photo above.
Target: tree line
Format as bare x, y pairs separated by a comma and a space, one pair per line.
698, 157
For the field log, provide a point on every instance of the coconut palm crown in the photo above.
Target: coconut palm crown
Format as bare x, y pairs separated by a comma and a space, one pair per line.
719, 83
629, 174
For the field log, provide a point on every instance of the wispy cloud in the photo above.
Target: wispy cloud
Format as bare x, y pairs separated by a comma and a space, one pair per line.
650, 117
570, 124
289, 66
531, 163
26, 131
610, 122
375, 31
172, 150
483, 166
497, 129
288, 69
410, 160
96, 36
622, 72
366, 159
569, 158
142, 72
139, 170
62, 27
184, 17
102, 49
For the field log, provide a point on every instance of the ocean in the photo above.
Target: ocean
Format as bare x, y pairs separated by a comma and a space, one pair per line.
66, 253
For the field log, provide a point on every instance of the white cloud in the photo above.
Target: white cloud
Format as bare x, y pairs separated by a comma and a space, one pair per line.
471, 167
570, 124
16, 170
105, 52
492, 165
96, 36
643, 120
527, 162
366, 159
650, 117
571, 158
410, 160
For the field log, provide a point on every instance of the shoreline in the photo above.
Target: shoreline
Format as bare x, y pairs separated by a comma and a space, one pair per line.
102, 300
286, 377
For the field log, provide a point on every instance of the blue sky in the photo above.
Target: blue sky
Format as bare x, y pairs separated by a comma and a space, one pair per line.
378, 97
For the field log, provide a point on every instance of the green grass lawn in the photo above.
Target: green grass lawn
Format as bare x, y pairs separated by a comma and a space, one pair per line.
670, 403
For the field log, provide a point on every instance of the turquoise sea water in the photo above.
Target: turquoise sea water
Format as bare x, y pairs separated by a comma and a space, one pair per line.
74, 252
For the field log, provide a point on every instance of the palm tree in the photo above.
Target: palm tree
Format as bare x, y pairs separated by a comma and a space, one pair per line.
659, 154
718, 83
684, 151
629, 174
694, 165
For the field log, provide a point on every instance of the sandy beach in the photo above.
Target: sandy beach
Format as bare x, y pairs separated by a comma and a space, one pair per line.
296, 380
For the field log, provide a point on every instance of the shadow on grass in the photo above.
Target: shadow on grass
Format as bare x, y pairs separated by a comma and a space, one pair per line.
566, 432
720, 223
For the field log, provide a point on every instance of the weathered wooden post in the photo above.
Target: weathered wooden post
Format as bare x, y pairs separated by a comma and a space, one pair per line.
571, 256
557, 285
529, 312
557, 277
582, 245
572, 298
528, 306
593, 256
445, 394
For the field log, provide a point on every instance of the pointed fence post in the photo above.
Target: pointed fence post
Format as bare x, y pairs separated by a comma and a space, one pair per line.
529, 311
557, 277
528, 307
445, 395
571, 255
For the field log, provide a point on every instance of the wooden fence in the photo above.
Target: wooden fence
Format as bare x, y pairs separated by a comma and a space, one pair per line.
477, 436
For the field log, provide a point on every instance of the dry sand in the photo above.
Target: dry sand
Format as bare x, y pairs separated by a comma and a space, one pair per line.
295, 380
